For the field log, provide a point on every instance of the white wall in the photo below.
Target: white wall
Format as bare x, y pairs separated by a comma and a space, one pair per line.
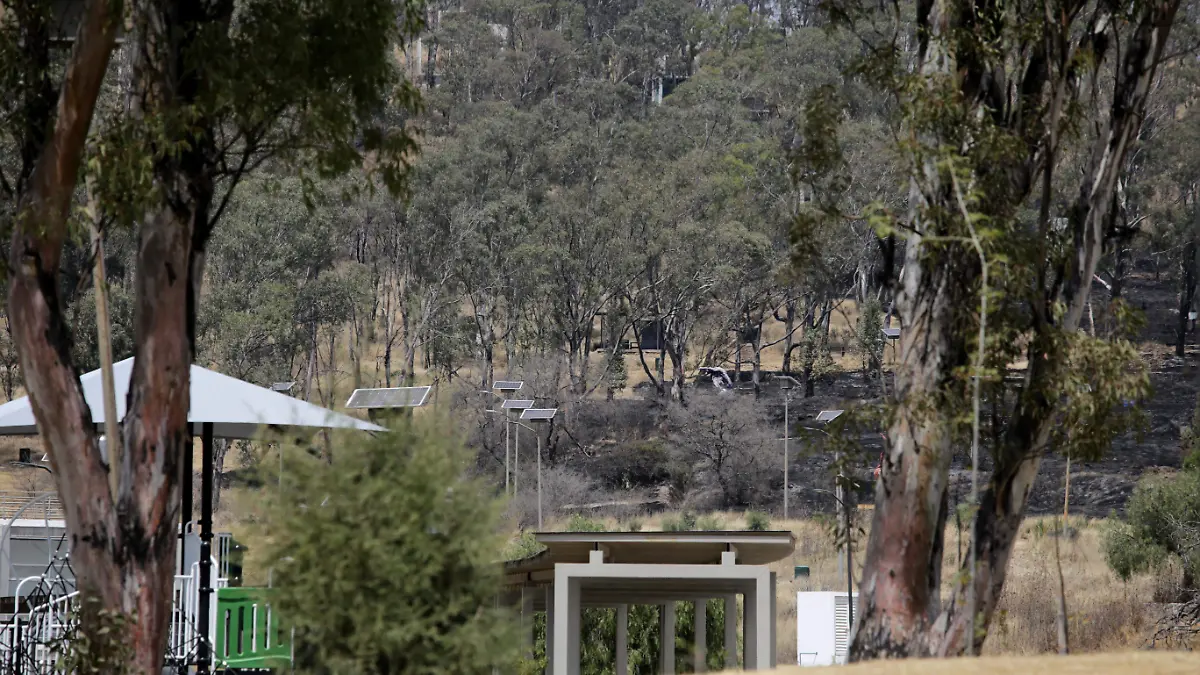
817, 616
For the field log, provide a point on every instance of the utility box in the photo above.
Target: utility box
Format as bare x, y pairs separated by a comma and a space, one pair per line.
822, 628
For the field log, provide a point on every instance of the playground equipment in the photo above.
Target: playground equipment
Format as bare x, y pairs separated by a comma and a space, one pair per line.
220, 407
36, 634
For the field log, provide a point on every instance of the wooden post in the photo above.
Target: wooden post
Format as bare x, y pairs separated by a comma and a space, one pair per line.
104, 337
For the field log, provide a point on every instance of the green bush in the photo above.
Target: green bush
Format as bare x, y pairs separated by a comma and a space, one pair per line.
599, 638
385, 560
524, 545
1162, 520
710, 523
579, 523
684, 522
757, 521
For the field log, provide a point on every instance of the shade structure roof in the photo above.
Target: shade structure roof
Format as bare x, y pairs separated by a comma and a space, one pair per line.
678, 548
236, 409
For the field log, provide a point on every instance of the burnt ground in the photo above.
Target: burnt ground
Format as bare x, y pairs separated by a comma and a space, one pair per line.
1098, 488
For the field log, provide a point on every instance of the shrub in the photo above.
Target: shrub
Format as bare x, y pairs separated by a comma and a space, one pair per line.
365, 549
710, 523
684, 522
1162, 521
524, 545
757, 521
580, 523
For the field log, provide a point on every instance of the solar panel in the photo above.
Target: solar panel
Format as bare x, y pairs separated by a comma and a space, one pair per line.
282, 387
829, 415
891, 333
517, 404
395, 397
539, 414
508, 385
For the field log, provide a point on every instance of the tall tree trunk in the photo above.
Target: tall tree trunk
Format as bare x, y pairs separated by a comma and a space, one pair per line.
1187, 291
902, 574
52, 152
900, 613
789, 327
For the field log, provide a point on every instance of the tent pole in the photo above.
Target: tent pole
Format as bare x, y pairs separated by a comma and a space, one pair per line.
186, 469
204, 653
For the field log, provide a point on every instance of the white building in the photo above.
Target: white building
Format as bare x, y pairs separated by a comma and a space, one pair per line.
822, 628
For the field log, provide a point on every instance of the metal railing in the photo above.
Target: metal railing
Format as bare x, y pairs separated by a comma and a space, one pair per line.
11, 503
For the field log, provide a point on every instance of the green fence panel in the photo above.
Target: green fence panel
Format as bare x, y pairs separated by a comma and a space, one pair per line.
248, 632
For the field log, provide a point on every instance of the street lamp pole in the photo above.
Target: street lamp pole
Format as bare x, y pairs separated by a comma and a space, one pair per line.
538, 415
789, 383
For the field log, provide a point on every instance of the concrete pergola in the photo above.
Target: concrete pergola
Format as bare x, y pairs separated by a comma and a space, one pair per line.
618, 569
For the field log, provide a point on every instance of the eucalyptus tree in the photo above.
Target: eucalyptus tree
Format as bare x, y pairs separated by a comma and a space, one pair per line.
210, 97
993, 94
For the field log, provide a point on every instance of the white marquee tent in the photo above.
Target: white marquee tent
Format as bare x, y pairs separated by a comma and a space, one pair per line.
236, 409
220, 407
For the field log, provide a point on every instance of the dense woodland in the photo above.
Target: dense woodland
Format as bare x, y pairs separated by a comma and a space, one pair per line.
554, 182
589, 173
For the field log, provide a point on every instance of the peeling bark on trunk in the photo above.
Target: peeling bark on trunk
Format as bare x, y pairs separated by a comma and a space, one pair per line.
899, 612
53, 149
899, 592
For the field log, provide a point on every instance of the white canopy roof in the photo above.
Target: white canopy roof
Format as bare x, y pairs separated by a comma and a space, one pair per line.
235, 408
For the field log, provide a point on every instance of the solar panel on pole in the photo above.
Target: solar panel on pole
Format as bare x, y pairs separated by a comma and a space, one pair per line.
282, 387
538, 414
508, 385
516, 404
829, 415
394, 397
891, 333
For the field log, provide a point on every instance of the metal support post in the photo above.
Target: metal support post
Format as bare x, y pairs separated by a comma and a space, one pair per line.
185, 497
204, 651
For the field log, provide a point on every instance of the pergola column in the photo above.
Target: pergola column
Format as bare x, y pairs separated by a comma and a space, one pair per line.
700, 645
757, 625
666, 638
773, 622
566, 623
622, 639
527, 622
550, 629
731, 655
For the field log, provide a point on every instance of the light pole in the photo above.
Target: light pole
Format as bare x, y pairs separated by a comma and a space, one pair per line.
788, 384
505, 387
520, 405
842, 497
538, 416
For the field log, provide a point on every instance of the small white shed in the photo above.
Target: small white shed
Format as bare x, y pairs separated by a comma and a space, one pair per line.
822, 628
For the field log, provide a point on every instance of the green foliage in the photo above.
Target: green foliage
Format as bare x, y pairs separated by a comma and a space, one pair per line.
682, 522
580, 523
599, 634
710, 523
1190, 441
385, 560
107, 650
868, 334
757, 521
524, 545
1162, 519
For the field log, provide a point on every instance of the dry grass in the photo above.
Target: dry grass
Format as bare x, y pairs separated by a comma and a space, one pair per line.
1105, 613
1127, 663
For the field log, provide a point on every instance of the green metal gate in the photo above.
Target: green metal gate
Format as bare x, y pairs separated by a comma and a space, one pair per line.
248, 634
